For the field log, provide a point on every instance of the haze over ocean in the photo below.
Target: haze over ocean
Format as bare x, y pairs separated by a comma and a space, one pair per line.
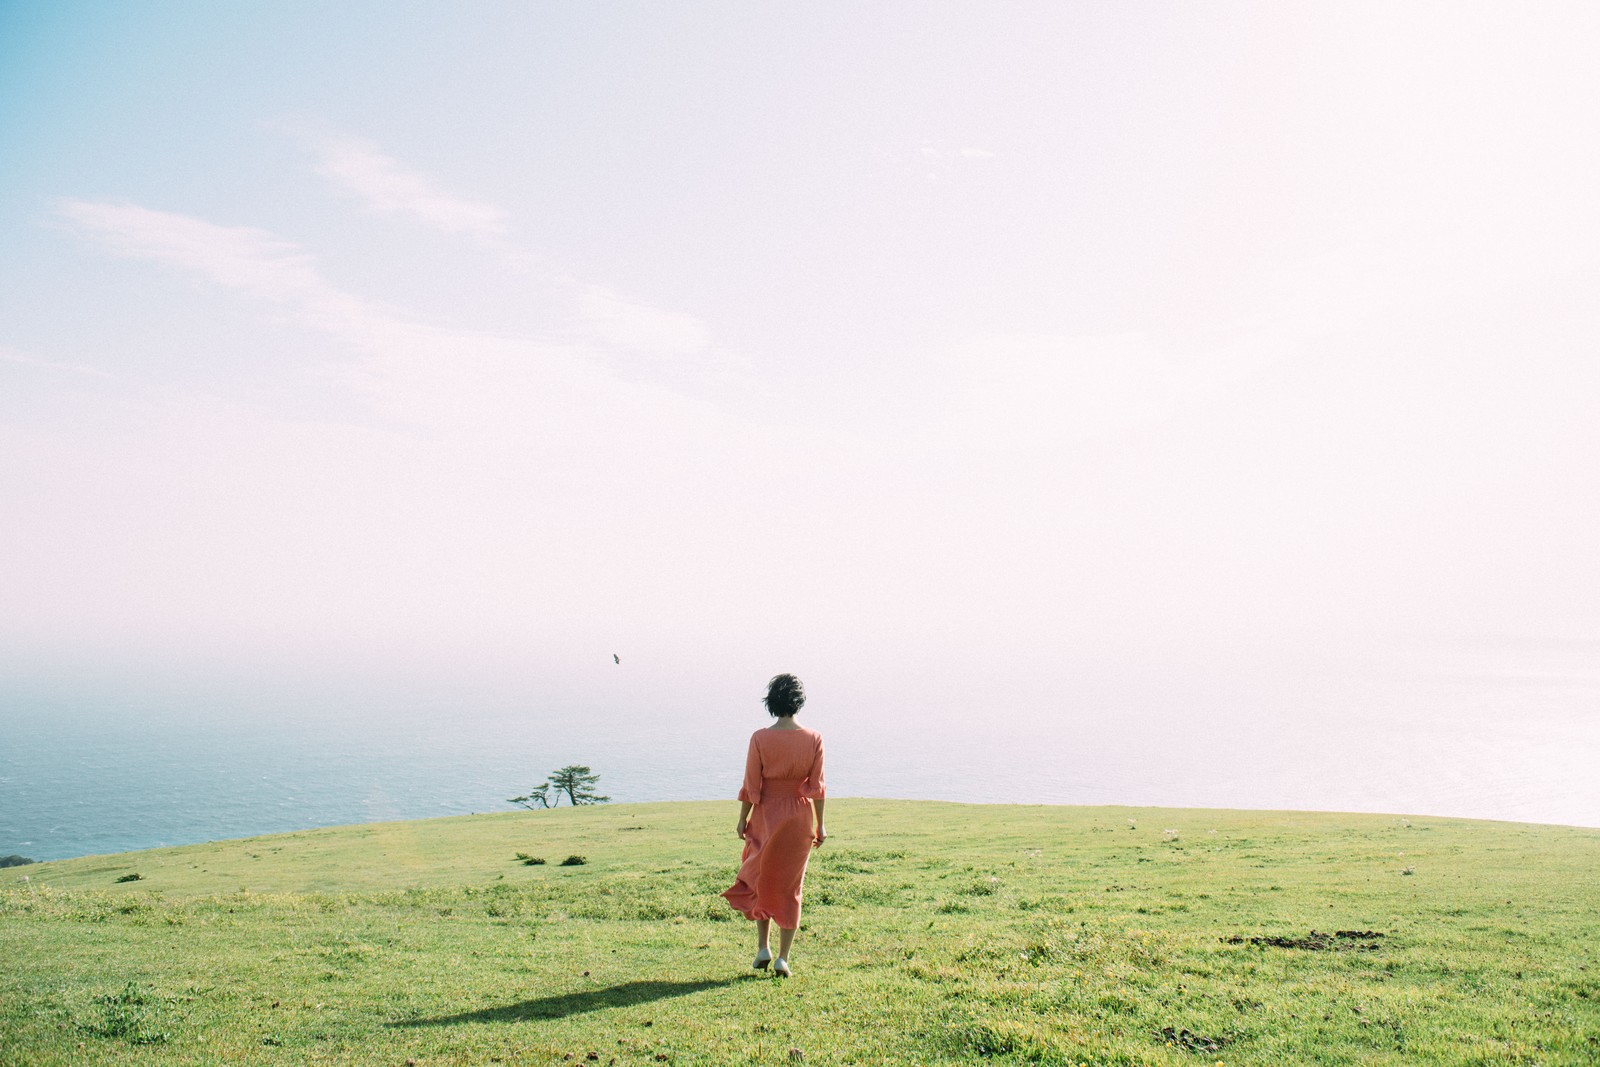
1091, 403
83, 775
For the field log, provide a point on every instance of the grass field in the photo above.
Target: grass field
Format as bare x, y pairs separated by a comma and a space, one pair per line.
933, 933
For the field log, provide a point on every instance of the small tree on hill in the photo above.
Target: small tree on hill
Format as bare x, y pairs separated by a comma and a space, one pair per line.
578, 783
575, 782
537, 797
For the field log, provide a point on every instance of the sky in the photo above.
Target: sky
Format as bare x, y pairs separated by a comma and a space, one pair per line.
935, 351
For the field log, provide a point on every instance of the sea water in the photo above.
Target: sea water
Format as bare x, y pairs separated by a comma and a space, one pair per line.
85, 775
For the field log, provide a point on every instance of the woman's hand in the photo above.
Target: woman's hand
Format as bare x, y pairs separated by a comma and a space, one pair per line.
822, 835
744, 813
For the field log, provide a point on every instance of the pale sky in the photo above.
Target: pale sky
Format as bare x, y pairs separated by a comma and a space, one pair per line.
911, 346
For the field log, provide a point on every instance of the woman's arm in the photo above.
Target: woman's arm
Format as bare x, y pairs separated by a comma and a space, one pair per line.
816, 789
744, 818
750, 788
750, 791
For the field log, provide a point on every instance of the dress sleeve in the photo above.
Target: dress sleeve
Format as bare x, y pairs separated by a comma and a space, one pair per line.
750, 791
813, 786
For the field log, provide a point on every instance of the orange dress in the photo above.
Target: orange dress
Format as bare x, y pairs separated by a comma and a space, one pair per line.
782, 775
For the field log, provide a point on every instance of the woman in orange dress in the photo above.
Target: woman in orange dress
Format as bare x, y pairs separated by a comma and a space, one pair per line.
780, 820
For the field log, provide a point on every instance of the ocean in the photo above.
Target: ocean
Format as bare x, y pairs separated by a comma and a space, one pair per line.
87, 775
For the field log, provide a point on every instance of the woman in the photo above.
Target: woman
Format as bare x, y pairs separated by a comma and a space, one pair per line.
780, 821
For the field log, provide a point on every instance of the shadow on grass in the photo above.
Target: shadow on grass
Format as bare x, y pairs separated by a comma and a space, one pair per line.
559, 1007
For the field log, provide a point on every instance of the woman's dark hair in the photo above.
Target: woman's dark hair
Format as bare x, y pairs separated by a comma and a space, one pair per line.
785, 695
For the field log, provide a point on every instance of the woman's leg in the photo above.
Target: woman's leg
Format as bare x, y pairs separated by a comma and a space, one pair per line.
785, 939
762, 926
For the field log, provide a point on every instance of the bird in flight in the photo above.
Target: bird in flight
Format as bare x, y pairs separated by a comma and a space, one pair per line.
616, 657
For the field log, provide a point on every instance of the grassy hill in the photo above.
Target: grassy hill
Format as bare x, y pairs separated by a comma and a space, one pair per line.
933, 933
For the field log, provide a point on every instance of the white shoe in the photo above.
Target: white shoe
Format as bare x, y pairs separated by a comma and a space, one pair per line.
763, 957
780, 967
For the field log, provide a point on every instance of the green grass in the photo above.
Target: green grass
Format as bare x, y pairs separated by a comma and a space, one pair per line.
933, 933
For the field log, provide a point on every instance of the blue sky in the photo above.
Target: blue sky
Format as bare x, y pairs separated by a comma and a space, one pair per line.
880, 342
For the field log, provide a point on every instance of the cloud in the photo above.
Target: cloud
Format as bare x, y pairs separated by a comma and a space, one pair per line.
255, 262
607, 318
941, 159
16, 356
386, 186
639, 326
278, 272
238, 257
481, 386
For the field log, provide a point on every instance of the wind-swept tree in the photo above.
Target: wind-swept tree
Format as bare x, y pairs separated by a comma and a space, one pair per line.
575, 782
535, 798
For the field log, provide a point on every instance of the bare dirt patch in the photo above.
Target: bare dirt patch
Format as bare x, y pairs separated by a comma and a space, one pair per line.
1338, 941
1190, 1041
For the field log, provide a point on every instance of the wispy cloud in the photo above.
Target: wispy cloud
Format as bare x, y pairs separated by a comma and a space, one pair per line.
239, 257
479, 385
942, 159
607, 319
278, 272
385, 185
20, 358
253, 261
